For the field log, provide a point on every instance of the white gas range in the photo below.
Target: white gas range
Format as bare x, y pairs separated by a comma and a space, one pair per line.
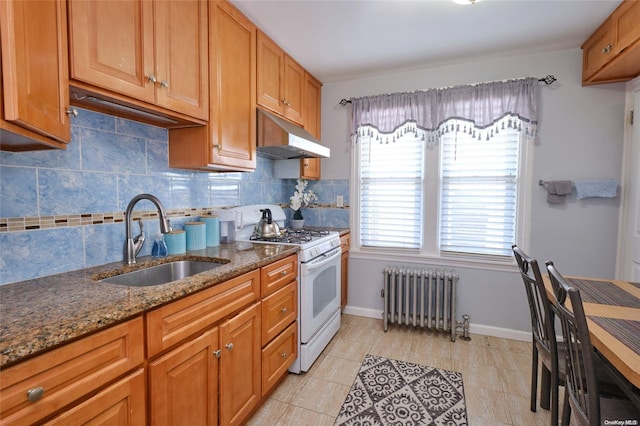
318, 278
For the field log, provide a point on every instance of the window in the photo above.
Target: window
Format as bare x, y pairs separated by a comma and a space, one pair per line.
478, 193
391, 190
440, 170
455, 197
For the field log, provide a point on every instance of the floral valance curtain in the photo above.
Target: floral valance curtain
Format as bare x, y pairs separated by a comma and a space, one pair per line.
486, 107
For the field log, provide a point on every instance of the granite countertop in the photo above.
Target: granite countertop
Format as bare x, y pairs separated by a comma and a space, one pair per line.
40, 314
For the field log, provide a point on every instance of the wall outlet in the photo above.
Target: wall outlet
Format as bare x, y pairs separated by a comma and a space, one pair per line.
340, 201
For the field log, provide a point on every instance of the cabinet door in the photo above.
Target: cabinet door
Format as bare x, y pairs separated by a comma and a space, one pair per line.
312, 105
183, 384
270, 65
122, 403
293, 90
111, 46
240, 366
182, 64
597, 50
626, 24
310, 168
34, 66
233, 88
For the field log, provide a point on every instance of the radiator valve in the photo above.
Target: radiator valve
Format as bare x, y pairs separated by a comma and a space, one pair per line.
464, 324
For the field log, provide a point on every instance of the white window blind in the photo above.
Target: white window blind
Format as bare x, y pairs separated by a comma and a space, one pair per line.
391, 190
478, 199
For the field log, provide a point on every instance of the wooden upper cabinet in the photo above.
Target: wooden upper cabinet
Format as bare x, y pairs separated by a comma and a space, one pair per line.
280, 81
35, 77
612, 52
228, 141
293, 90
312, 105
310, 167
152, 52
182, 56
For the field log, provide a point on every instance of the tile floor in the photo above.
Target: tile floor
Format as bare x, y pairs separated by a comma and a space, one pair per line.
495, 372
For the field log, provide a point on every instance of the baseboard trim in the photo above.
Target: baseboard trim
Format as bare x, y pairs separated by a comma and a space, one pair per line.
485, 330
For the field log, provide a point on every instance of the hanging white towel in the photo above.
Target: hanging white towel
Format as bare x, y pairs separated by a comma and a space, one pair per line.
607, 188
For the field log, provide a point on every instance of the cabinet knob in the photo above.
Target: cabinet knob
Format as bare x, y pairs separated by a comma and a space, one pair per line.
283, 273
35, 394
218, 146
229, 346
283, 354
606, 49
283, 310
72, 111
164, 83
284, 101
152, 78
217, 353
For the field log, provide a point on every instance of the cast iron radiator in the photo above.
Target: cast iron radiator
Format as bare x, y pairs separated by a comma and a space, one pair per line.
420, 297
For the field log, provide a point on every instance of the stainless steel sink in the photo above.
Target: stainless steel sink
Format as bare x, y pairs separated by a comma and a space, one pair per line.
162, 274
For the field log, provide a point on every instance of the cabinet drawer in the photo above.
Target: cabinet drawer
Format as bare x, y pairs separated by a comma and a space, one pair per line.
278, 311
63, 375
278, 356
279, 274
120, 403
172, 323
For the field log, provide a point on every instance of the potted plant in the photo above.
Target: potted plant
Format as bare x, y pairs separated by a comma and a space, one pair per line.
300, 198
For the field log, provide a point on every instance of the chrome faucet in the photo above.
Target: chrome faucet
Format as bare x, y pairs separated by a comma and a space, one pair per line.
132, 246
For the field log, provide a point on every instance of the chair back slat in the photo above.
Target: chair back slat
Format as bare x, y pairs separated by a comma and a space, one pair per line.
581, 380
542, 315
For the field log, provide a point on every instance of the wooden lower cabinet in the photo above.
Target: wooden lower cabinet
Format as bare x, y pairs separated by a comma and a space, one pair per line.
345, 243
240, 366
222, 364
205, 361
122, 403
183, 384
278, 356
57, 382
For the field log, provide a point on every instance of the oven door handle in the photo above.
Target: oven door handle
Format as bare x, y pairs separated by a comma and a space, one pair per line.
324, 259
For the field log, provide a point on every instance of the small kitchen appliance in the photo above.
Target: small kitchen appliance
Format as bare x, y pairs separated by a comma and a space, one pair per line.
318, 277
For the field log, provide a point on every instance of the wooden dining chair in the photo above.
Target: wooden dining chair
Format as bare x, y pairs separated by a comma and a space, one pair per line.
583, 395
545, 347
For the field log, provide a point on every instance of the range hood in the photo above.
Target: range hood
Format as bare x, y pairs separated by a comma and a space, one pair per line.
279, 139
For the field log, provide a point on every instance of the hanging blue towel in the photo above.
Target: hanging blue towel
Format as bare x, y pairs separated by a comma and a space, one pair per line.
607, 188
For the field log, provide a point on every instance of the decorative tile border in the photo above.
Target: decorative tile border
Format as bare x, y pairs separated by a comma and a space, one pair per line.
33, 223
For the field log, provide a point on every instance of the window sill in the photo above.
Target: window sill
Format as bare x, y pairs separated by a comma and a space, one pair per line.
399, 256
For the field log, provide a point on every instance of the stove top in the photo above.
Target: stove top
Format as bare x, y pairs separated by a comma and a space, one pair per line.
312, 242
293, 236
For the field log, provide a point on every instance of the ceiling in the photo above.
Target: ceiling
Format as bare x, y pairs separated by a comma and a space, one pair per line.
345, 39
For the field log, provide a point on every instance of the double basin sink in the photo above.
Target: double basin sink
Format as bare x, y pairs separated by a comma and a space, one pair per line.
163, 273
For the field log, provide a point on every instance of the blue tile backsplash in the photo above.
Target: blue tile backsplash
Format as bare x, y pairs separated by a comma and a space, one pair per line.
108, 161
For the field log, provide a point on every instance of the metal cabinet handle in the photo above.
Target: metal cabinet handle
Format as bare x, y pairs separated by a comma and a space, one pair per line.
284, 101
35, 394
606, 49
72, 111
283, 354
152, 78
217, 353
283, 273
164, 83
283, 310
218, 146
229, 346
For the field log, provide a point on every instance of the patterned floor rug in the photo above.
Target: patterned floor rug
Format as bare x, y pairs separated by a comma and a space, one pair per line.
391, 392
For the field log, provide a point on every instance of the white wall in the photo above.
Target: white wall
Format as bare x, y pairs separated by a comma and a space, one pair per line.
581, 137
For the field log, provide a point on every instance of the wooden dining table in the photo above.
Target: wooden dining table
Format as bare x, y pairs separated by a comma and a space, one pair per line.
612, 308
